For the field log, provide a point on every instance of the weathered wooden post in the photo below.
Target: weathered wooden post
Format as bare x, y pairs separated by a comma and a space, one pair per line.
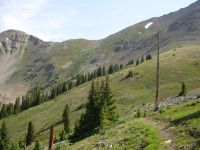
157, 75
51, 138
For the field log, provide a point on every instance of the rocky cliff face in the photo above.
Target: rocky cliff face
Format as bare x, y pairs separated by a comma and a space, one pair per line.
12, 43
12, 47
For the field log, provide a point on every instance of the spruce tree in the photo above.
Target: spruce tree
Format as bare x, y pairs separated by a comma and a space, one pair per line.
183, 90
91, 118
104, 119
104, 71
17, 108
66, 119
109, 101
4, 139
99, 72
137, 62
30, 134
92, 107
64, 87
138, 113
150, 57
142, 59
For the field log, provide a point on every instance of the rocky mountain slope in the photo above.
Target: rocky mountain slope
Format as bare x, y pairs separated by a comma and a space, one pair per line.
26, 60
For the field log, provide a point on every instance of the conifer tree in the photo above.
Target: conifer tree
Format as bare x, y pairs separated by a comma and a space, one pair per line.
99, 72
30, 134
121, 66
66, 119
100, 109
142, 59
104, 71
150, 57
183, 90
137, 62
64, 87
104, 119
111, 69
91, 118
138, 113
17, 108
108, 98
92, 107
4, 139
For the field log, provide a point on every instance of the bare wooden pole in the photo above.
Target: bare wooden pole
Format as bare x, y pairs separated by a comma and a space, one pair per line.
51, 138
157, 75
25, 132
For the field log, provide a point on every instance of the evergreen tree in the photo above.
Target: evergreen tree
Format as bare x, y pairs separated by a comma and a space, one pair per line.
71, 85
100, 110
104, 71
108, 99
99, 72
137, 62
64, 87
53, 93
121, 66
104, 119
17, 108
183, 90
90, 119
142, 59
131, 62
37, 146
4, 112
150, 57
66, 119
4, 139
138, 115
30, 134
111, 69
92, 107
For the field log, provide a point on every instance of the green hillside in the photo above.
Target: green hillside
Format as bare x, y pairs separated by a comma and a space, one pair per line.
178, 63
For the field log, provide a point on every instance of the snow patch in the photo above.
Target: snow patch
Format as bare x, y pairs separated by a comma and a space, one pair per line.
148, 25
7, 39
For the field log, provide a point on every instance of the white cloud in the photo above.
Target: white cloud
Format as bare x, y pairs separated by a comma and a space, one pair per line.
33, 17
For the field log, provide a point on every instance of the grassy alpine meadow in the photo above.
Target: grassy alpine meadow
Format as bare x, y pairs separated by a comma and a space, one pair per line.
179, 64
128, 134
183, 120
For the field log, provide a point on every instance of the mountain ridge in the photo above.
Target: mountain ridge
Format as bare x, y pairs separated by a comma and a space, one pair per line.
33, 56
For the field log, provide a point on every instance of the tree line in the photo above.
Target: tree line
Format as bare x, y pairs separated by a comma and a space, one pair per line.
33, 98
37, 96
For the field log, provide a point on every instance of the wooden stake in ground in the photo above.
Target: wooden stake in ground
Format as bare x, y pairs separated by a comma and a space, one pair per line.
51, 138
25, 131
157, 75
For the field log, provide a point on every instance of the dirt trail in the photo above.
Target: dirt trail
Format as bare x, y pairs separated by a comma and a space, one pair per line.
166, 135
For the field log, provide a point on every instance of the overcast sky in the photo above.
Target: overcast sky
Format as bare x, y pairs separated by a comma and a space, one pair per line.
59, 20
